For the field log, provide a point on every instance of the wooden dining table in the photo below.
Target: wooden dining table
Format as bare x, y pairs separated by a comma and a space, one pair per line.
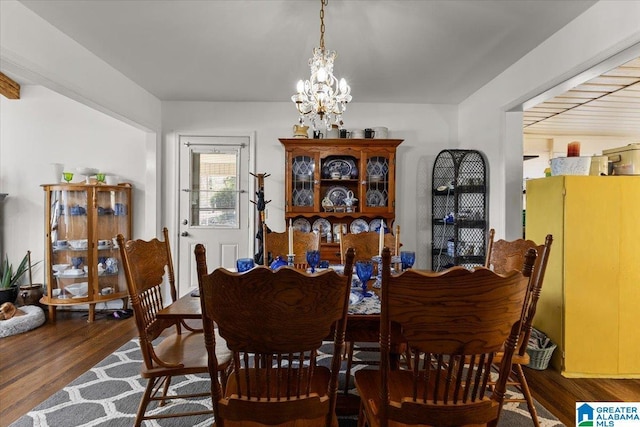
360, 328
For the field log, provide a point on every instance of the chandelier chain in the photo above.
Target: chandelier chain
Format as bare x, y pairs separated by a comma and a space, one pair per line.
323, 3
322, 98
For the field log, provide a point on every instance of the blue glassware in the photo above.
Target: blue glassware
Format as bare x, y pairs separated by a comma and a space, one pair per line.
364, 270
244, 264
313, 259
278, 262
407, 258
77, 261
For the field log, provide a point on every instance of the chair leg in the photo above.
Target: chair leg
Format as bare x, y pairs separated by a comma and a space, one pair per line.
146, 398
527, 393
362, 419
165, 390
349, 351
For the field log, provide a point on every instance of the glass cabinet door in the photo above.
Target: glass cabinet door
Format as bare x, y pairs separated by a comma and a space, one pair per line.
378, 182
70, 245
112, 218
302, 196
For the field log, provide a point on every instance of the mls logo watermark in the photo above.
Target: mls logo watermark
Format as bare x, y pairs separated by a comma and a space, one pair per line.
607, 414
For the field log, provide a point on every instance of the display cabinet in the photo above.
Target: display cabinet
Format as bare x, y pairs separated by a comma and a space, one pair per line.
332, 183
459, 214
83, 260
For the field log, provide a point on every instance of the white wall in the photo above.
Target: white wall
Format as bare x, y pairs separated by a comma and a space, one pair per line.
41, 128
33, 50
426, 129
603, 30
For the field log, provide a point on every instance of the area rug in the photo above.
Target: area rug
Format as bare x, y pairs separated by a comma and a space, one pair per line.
108, 394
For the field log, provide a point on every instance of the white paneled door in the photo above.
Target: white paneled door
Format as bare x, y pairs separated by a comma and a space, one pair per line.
215, 185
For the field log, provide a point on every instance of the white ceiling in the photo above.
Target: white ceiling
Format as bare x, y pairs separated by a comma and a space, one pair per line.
399, 51
605, 105
396, 51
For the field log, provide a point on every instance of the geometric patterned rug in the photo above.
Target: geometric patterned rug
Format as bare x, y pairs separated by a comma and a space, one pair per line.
108, 395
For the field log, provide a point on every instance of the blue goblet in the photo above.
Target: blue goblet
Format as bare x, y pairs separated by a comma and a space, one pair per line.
364, 270
244, 264
77, 261
407, 258
313, 259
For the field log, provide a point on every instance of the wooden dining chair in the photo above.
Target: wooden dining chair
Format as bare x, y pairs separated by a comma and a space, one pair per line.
147, 266
274, 322
504, 256
454, 323
275, 244
366, 245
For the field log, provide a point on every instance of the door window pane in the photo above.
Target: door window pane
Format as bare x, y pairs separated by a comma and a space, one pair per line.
214, 192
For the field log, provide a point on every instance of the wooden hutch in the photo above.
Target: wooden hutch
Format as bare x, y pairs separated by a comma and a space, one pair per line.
322, 175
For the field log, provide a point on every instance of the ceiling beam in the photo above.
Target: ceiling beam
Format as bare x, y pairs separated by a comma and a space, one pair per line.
8, 87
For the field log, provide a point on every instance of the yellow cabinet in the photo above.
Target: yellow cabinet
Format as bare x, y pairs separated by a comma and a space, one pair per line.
590, 301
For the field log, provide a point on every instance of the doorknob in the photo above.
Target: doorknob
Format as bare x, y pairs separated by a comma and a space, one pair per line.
185, 222
184, 234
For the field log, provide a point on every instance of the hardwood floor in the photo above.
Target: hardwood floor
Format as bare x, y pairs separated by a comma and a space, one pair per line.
36, 364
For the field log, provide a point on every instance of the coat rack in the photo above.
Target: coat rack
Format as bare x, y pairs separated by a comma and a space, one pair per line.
261, 204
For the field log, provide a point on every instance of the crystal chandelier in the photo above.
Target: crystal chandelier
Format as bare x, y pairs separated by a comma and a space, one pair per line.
322, 98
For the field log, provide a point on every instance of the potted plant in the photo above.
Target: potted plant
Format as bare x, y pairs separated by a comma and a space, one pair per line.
9, 278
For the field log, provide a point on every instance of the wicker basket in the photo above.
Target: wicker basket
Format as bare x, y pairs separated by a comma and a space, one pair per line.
539, 357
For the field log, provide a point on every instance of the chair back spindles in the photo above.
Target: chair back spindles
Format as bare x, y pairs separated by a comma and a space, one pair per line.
274, 322
454, 323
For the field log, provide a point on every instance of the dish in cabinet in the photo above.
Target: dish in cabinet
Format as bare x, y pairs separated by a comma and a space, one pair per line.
376, 198
337, 194
359, 226
325, 224
344, 166
302, 224
375, 224
337, 227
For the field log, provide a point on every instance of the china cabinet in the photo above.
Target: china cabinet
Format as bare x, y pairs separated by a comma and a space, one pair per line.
82, 258
339, 183
459, 213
